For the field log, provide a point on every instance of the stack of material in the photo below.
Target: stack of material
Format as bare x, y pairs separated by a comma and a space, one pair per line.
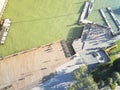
4, 31
2, 6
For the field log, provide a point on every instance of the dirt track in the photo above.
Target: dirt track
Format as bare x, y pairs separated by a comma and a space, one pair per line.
27, 67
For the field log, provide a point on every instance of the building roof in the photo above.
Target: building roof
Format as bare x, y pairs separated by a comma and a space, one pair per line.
92, 39
92, 36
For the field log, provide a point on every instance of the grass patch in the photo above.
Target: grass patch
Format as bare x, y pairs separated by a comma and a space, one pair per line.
114, 52
105, 71
35, 23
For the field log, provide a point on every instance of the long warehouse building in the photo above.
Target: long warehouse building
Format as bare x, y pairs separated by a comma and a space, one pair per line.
2, 6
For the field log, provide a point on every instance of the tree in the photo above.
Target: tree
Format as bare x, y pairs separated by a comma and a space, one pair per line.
116, 76
101, 72
101, 83
110, 81
83, 80
71, 88
80, 85
116, 65
107, 87
76, 75
113, 86
118, 81
79, 73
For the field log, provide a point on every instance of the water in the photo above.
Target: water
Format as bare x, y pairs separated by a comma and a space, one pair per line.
102, 4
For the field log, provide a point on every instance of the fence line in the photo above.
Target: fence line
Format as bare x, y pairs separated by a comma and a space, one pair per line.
29, 50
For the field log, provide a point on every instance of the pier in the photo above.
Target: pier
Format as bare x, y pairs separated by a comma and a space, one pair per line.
116, 21
91, 3
106, 21
84, 12
104, 17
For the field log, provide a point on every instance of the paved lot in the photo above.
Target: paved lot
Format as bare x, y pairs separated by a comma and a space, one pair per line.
63, 77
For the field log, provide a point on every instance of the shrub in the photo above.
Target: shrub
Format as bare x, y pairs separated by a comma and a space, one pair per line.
116, 76
118, 81
113, 86
116, 65
71, 88
83, 80
76, 75
110, 81
101, 83
80, 73
101, 72
107, 87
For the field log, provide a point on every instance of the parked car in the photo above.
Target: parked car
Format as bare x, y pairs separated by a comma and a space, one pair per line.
100, 56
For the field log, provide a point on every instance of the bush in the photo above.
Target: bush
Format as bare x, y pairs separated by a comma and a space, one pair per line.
107, 87
76, 75
83, 80
113, 86
118, 81
101, 72
80, 73
101, 83
116, 75
110, 81
80, 85
116, 65
71, 88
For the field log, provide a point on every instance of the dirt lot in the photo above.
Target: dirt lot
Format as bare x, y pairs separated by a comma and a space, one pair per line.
24, 68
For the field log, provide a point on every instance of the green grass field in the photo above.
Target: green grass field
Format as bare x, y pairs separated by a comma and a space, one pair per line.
114, 52
35, 23
38, 22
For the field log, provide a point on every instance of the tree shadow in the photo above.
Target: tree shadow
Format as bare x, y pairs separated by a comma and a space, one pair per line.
91, 67
74, 33
57, 82
47, 77
117, 11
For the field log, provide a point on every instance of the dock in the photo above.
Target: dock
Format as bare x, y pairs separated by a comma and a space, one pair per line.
104, 17
106, 21
116, 21
84, 12
91, 4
